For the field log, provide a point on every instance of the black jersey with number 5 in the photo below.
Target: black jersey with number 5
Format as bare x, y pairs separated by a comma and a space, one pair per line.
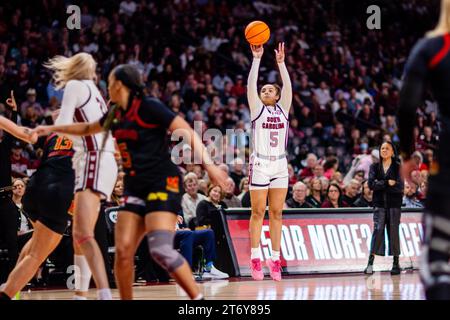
141, 134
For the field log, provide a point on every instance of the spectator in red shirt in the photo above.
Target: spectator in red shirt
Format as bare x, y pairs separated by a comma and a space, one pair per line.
334, 197
330, 166
418, 158
307, 172
238, 90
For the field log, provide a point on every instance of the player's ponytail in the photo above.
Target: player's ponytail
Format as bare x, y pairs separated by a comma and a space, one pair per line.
130, 76
78, 67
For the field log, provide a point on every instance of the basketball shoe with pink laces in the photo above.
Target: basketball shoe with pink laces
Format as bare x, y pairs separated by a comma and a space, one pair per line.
255, 266
275, 269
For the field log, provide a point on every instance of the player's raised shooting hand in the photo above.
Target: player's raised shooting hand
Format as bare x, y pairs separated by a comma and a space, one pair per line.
257, 51
279, 54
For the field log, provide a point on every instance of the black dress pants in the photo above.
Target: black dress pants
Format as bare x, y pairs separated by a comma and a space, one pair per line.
386, 218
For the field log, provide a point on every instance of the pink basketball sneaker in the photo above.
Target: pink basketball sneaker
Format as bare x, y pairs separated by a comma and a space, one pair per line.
275, 269
255, 266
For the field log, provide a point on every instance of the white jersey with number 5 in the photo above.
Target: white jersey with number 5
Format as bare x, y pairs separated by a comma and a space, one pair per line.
268, 162
270, 131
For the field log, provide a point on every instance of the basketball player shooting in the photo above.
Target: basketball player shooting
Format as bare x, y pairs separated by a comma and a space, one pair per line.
268, 175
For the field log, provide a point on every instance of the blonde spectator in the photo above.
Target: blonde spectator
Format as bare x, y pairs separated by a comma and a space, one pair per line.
191, 198
315, 197
243, 188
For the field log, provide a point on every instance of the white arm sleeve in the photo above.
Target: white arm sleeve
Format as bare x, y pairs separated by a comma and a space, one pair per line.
75, 94
286, 91
254, 102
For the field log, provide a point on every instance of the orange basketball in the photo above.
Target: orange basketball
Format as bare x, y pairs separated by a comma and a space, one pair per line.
257, 33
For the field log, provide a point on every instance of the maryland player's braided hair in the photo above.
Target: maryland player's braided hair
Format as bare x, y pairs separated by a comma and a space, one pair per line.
130, 76
108, 124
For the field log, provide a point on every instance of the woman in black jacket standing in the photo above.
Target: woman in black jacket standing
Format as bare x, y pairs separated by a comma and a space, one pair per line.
387, 186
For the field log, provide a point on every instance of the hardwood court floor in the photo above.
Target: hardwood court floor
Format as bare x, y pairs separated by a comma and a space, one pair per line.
381, 286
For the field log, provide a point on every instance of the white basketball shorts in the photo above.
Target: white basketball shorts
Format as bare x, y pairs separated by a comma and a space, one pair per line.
95, 170
268, 174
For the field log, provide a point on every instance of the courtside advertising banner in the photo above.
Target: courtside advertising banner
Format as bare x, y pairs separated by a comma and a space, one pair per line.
324, 241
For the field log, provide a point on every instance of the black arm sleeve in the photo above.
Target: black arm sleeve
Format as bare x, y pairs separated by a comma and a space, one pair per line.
374, 183
411, 96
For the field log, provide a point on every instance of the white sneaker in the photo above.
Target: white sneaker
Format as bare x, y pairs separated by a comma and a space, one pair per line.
215, 274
